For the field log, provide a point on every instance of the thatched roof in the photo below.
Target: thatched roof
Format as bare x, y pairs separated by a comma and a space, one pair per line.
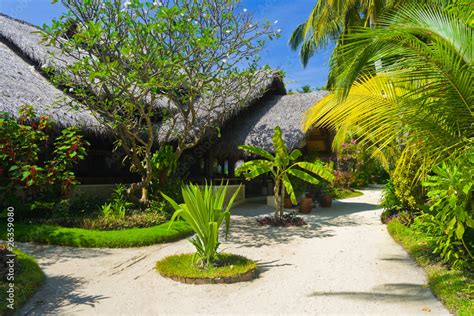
22, 83
255, 125
25, 37
22, 57
216, 109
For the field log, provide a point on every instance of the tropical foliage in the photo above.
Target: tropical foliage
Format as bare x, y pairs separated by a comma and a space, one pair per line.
331, 21
419, 102
405, 90
28, 160
203, 209
144, 67
281, 166
450, 217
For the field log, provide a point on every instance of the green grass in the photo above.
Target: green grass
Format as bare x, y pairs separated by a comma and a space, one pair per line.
453, 287
79, 237
27, 281
340, 194
182, 266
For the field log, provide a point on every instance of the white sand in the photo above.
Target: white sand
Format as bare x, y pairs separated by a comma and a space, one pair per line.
343, 263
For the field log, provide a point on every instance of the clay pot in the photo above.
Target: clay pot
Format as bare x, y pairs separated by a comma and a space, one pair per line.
288, 203
325, 200
306, 205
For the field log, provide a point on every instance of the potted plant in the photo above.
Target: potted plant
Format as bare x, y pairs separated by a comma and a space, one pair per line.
325, 196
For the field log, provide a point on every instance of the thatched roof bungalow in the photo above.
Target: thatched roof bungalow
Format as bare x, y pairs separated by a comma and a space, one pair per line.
266, 105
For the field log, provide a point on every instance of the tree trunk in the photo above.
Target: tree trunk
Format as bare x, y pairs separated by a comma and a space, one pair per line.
276, 194
282, 202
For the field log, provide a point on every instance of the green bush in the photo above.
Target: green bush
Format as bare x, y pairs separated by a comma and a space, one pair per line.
450, 216
117, 208
203, 209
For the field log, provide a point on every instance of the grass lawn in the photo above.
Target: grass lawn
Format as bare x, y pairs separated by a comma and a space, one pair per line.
79, 237
27, 281
182, 265
453, 287
340, 194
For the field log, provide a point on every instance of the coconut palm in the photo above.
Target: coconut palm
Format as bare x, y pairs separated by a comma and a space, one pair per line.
330, 19
281, 166
419, 98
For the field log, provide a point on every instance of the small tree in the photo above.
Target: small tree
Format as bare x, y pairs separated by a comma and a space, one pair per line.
281, 166
157, 72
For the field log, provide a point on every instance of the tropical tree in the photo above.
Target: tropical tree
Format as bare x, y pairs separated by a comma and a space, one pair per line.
281, 166
203, 209
418, 103
156, 72
330, 19
305, 89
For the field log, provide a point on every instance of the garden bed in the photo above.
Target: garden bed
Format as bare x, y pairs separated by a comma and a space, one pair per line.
28, 278
230, 269
79, 237
452, 287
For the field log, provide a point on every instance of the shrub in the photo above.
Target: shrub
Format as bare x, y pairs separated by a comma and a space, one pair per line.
117, 208
450, 214
203, 209
389, 196
24, 144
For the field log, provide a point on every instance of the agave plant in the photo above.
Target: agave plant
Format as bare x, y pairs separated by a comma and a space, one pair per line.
281, 166
203, 210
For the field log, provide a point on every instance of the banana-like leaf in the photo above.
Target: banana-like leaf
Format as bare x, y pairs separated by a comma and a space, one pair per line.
295, 154
279, 145
303, 176
318, 169
257, 151
254, 168
289, 188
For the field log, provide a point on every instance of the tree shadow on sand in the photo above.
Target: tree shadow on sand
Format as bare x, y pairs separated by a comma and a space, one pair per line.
58, 292
245, 231
52, 254
392, 292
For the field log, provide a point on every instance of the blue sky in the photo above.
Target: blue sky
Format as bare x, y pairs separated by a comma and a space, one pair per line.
277, 53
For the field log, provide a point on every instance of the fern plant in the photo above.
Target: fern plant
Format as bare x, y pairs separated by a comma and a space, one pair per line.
281, 165
203, 209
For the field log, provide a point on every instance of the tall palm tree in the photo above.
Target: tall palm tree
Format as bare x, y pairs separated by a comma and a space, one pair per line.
420, 100
330, 19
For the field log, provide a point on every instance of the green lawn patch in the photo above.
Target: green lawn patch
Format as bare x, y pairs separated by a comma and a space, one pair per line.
79, 237
27, 281
229, 265
453, 287
340, 194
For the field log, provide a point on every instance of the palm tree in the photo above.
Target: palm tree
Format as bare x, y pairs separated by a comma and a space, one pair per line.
281, 166
330, 19
420, 101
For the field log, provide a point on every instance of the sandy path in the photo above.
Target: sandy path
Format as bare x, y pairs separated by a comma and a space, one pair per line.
343, 263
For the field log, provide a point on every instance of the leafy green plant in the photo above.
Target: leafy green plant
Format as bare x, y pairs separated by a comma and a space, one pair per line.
451, 215
23, 145
281, 165
117, 208
389, 196
203, 209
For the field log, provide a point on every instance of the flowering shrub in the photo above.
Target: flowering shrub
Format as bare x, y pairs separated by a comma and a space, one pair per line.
355, 166
26, 159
